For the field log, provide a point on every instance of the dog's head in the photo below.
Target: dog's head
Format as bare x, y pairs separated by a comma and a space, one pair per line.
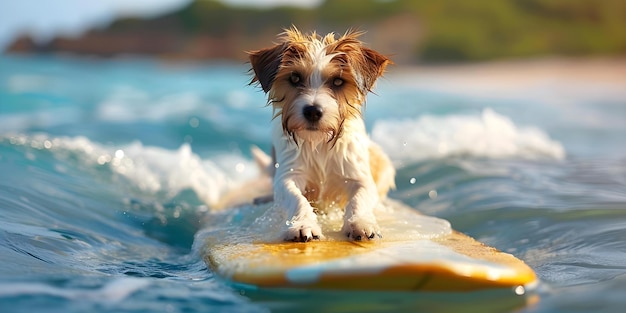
315, 83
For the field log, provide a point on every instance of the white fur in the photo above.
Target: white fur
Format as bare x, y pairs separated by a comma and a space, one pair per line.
328, 158
344, 165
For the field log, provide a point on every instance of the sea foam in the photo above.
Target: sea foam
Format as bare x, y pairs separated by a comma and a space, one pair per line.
116, 290
488, 135
153, 170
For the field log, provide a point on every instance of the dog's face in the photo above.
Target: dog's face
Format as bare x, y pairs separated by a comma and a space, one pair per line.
315, 83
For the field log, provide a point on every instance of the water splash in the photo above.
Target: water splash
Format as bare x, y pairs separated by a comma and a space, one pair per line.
152, 170
489, 135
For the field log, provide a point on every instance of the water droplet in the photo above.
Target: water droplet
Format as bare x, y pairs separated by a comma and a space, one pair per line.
194, 122
412, 180
519, 290
432, 194
240, 167
103, 159
276, 165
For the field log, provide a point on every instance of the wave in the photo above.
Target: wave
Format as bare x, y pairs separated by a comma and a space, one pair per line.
127, 104
168, 172
150, 169
488, 135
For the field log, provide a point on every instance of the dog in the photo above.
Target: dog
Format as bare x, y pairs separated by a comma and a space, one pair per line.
321, 152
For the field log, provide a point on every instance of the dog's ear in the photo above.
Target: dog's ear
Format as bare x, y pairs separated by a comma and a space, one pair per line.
265, 64
368, 63
373, 67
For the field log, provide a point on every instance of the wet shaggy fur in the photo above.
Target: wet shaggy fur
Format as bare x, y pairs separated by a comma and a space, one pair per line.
322, 154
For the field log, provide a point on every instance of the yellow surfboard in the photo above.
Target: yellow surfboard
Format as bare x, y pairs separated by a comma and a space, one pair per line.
416, 253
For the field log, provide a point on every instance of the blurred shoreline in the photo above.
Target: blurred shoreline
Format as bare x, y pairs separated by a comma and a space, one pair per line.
411, 32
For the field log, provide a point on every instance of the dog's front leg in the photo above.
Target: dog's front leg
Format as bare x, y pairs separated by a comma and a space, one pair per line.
302, 221
359, 219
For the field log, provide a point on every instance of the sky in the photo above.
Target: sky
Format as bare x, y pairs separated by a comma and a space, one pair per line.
45, 19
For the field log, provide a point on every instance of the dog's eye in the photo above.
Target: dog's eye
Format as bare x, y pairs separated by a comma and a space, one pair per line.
295, 79
337, 82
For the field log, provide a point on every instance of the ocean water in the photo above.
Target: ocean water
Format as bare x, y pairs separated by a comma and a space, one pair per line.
107, 168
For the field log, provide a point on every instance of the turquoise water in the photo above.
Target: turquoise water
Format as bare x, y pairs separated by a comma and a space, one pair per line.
108, 166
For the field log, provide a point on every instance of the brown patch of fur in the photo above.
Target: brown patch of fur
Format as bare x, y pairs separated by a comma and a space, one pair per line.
379, 163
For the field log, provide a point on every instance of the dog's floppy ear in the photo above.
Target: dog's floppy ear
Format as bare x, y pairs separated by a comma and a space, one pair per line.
368, 63
265, 64
374, 67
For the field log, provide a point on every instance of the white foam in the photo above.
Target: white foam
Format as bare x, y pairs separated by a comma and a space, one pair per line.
115, 291
152, 169
488, 135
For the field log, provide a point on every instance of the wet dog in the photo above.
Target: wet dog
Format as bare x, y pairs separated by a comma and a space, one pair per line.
321, 152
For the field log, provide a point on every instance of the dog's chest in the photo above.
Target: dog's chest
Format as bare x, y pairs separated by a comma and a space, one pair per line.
325, 171
318, 162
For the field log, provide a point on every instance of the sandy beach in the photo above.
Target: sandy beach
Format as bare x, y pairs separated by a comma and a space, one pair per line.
514, 76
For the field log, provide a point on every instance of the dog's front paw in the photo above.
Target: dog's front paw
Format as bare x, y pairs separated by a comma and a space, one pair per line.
303, 230
359, 228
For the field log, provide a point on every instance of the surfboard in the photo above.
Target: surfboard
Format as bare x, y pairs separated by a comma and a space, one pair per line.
242, 245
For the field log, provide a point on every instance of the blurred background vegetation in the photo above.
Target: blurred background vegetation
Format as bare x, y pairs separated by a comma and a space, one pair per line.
410, 31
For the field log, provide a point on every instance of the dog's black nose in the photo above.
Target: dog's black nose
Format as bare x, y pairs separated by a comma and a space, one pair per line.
312, 113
